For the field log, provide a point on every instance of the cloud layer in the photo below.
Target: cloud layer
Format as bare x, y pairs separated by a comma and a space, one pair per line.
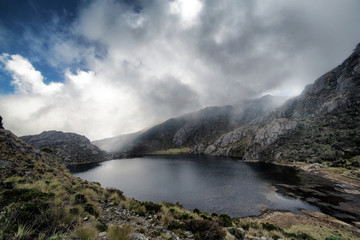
125, 67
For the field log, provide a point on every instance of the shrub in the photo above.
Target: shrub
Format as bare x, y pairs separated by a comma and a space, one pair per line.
112, 191
80, 199
86, 232
203, 216
115, 198
117, 232
270, 227
174, 225
204, 229
47, 150
140, 210
225, 220
91, 209
236, 232
101, 226
196, 211
152, 207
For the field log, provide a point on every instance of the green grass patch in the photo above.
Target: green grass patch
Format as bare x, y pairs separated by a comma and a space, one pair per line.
173, 151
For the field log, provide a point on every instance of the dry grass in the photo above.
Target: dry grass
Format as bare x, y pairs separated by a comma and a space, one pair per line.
117, 232
86, 232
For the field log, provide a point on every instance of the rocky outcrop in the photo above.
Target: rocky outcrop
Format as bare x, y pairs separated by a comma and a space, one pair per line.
69, 148
1, 124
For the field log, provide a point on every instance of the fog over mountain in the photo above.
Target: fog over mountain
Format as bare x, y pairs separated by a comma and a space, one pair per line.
105, 68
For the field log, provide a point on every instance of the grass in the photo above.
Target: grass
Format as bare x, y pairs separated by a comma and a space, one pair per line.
117, 232
23, 232
86, 232
173, 151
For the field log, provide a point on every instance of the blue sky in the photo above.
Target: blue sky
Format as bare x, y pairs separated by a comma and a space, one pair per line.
107, 67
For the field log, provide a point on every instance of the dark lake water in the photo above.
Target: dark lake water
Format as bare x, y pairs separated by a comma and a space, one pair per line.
211, 184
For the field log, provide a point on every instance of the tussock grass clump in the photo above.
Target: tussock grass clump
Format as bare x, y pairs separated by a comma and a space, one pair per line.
86, 232
23, 232
117, 232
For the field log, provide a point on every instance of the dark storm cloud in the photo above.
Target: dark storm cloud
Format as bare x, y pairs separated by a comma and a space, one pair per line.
170, 97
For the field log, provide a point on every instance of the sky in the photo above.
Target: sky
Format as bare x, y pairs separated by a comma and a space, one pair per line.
102, 68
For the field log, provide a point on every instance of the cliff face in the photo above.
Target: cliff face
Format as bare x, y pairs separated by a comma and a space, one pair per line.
322, 124
70, 148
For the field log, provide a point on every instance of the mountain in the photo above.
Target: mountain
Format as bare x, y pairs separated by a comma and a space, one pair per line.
320, 125
69, 148
186, 131
116, 144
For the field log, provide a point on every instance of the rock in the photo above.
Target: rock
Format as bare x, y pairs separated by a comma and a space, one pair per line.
70, 148
4, 162
138, 236
1, 124
210, 149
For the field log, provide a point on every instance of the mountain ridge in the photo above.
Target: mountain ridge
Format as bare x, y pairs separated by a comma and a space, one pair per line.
324, 111
189, 129
319, 125
69, 148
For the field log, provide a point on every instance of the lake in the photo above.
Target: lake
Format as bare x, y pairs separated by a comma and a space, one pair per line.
218, 184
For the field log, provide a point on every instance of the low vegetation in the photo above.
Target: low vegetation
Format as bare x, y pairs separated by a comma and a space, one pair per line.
173, 151
40, 199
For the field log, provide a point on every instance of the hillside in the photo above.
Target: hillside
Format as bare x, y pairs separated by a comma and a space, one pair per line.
116, 144
320, 125
186, 131
69, 148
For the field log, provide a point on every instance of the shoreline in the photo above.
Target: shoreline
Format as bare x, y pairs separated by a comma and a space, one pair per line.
346, 183
306, 221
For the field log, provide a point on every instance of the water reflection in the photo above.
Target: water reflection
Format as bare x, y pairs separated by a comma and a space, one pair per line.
212, 184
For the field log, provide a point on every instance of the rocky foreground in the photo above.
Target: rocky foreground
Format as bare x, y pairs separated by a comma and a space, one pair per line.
40, 199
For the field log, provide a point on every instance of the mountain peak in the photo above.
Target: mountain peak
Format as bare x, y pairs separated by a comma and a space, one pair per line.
357, 48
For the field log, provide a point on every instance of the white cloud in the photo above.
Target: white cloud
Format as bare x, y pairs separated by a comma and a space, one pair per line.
26, 79
187, 10
172, 57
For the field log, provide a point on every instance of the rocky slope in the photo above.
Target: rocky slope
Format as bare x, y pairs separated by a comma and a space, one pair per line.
69, 148
202, 127
322, 124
